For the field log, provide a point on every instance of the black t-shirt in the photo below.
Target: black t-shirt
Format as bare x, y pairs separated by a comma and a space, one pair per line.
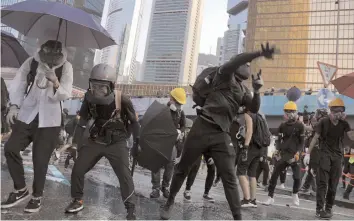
291, 136
331, 135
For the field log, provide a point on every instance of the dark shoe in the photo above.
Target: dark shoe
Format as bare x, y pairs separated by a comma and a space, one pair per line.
245, 203
187, 195
304, 190
166, 210
155, 194
322, 214
216, 182
253, 203
208, 198
165, 192
346, 196
34, 205
131, 213
75, 206
14, 199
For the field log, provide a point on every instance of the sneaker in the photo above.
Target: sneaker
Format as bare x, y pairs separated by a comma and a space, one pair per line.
208, 198
253, 203
322, 214
329, 212
165, 192
282, 186
187, 195
155, 194
57, 154
166, 210
269, 201
245, 203
15, 198
75, 206
34, 205
296, 200
305, 190
131, 213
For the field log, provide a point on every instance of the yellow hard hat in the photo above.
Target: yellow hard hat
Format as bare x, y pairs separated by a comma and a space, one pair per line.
337, 102
179, 94
290, 106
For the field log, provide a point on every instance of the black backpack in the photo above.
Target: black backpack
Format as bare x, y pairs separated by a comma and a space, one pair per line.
261, 134
203, 86
33, 72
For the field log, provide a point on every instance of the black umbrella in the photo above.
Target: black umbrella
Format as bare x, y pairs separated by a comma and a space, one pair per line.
12, 52
157, 137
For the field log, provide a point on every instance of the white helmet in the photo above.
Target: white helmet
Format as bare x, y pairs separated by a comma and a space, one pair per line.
103, 72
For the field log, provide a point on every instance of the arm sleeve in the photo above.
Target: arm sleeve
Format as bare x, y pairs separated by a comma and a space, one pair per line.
18, 85
130, 112
80, 127
252, 103
66, 84
229, 67
182, 121
302, 138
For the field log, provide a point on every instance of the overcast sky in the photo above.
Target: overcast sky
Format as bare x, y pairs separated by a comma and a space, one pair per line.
214, 25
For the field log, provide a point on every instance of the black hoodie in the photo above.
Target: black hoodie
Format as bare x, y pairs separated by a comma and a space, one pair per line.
291, 139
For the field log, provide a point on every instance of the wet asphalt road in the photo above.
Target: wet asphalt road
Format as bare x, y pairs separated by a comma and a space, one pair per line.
102, 201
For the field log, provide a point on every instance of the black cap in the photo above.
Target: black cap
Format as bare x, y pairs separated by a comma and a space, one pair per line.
52, 44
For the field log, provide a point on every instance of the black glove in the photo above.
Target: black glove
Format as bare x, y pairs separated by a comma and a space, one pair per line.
244, 151
267, 52
136, 148
257, 83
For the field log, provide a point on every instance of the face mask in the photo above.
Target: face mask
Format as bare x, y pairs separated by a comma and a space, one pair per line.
290, 116
243, 73
173, 107
336, 116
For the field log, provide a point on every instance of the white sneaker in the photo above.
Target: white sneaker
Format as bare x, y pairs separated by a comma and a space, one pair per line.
269, 201
296, 200
187, 195
282, 186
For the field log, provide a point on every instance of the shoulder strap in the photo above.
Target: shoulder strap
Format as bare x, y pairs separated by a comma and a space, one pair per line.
31, 76
59, 72
118, 100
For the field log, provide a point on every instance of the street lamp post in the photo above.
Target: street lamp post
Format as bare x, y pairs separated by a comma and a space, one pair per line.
337, 41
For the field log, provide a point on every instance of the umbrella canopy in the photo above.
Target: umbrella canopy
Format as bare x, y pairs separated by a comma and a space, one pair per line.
345, 85
293, 94
157, 138
12, 52
56, 21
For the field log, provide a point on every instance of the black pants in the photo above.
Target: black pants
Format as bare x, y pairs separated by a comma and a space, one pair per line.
351, 184
208, 138
279, 167
44, 142
263, 167
71, 155
166, 178
193, 174
117, 155
329, 172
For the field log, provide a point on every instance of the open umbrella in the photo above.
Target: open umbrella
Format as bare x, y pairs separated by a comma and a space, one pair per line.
157, 137
345, 85
56, 21
12, 52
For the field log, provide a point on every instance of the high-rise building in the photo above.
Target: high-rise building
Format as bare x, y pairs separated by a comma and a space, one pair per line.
305, 31
220, 51
123, 24
171, 54
234, 37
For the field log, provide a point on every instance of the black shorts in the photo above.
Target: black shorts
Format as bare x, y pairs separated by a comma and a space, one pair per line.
250, 166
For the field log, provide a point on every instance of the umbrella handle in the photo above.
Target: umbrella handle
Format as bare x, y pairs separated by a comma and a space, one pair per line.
56, 43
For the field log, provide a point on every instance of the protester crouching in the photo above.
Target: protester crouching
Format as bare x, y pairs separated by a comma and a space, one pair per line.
106, 120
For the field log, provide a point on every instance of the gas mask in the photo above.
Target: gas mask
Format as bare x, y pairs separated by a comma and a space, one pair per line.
337, 113
100, 92
243, 72
290, 115
51, 53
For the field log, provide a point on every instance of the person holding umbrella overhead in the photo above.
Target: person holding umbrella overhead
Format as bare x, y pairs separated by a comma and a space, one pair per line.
178, 97
35, 112
103, 129
225, 94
